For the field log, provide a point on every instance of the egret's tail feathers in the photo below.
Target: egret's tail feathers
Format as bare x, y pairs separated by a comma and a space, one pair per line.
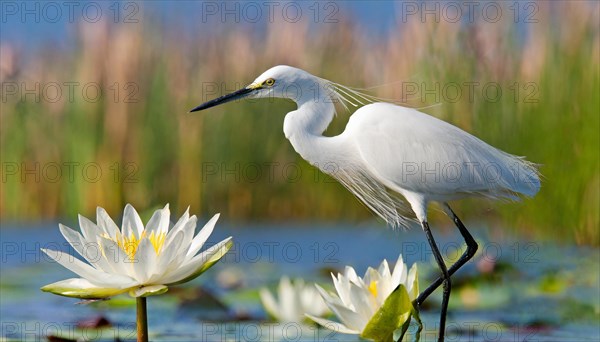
516, 177
526, 178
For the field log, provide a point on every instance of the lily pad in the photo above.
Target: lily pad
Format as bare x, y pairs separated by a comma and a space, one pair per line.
393, 314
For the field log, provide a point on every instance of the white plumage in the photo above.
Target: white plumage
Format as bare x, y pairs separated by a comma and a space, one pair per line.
386, 146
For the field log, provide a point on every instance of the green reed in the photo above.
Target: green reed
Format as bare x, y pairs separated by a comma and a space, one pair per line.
235, 159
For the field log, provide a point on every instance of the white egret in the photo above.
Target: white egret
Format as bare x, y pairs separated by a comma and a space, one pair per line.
387, 150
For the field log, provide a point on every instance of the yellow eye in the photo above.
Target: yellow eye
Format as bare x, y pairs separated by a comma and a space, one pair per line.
270, 82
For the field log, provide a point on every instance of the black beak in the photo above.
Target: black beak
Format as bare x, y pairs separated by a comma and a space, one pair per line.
224, 99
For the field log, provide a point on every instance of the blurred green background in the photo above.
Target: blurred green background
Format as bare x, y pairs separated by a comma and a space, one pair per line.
527, 83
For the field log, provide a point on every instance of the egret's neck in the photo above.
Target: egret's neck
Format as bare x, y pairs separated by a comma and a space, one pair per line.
304, 127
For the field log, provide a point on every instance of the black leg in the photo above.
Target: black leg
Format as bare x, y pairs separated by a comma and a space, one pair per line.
466, 256
445, 279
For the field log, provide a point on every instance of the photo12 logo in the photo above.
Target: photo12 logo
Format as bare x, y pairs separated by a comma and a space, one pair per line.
69, 11
470, 91
68, 91
469, 11
68, 171
269, 11
68, 331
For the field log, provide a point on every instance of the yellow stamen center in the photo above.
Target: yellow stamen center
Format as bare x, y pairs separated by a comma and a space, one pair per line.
157, 241
129, 244
373, 288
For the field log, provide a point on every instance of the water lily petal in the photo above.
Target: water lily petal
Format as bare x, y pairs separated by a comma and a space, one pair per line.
311, 301
132, 223
90, 251
269, 303
328, 297
90, 231
182, 220
117, 258
413, 283
350, 273
363, 302
399, 272
187, 227
374, 282
287, 295
202, 236
384, 288
81, 288
159, 222
384, 284
168, 260
384, 269
350, 318
173, 257
147, 291
295, 299
342, 286
199, 263
106, 224
333, 326
368, 275
145, 261
96, 277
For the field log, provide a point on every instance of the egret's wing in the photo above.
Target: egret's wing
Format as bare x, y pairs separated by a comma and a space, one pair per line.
412, 151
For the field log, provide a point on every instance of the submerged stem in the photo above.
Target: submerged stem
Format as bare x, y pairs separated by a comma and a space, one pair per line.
142, 320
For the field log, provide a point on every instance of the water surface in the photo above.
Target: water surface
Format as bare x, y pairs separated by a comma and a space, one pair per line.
514, 290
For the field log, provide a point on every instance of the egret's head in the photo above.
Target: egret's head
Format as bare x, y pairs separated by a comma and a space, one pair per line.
281, 81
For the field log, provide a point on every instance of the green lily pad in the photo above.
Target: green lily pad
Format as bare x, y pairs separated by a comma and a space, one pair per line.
393, 314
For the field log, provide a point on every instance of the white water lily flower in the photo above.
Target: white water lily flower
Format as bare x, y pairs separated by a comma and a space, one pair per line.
140, 260
359, 299
295, 300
